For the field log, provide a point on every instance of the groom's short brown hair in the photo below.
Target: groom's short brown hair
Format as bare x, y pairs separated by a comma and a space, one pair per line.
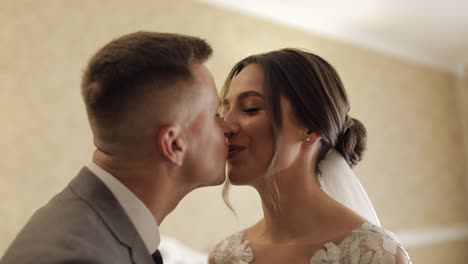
118, 73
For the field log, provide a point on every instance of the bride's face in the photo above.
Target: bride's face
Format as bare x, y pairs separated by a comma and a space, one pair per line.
247, 112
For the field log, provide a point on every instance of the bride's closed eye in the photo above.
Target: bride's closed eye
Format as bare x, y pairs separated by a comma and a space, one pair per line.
250, 110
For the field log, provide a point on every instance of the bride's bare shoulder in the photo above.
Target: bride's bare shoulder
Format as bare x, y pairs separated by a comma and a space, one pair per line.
254, 231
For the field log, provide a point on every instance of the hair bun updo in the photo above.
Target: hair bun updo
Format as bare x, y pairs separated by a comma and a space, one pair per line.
352, 141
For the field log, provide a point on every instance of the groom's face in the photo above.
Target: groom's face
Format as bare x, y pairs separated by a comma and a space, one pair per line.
207, 149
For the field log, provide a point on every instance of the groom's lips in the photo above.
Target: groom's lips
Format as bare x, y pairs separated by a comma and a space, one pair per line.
234, 150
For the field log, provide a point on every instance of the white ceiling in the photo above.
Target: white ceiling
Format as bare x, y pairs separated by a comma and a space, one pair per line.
433, 33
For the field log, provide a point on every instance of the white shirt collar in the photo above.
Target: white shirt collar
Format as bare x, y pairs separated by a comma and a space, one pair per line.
139, 214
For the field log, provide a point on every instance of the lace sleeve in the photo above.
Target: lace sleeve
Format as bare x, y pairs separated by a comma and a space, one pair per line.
232, 251
368, 245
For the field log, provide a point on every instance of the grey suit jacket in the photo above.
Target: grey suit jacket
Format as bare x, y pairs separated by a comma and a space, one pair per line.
82, 224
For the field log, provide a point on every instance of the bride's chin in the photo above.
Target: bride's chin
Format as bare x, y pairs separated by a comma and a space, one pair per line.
240, 179
236, 179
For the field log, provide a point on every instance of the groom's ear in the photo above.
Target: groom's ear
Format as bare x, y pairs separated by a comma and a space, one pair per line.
170, 144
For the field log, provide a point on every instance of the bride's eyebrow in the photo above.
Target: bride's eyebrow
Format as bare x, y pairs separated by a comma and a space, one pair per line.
244, 95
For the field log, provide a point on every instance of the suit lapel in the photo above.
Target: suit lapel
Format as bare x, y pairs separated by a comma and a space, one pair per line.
96, 194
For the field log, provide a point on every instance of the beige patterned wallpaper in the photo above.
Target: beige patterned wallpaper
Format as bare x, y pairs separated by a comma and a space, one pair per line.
446, 253
414, 168
462, 84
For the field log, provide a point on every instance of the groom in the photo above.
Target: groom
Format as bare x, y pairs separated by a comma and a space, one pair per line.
152, 107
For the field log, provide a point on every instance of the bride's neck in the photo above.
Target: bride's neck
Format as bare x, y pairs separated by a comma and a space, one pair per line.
303, 206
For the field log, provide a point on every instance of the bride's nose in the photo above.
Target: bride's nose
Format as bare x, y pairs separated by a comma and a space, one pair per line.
231, 125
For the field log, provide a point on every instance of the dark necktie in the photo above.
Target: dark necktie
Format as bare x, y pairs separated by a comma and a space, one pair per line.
157, 258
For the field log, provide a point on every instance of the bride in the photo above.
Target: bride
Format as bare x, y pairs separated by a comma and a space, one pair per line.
291, 138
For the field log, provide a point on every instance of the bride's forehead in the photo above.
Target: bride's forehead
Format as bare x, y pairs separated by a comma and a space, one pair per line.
251, 77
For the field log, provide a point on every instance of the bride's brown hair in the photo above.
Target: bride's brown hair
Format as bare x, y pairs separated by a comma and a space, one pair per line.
319, 102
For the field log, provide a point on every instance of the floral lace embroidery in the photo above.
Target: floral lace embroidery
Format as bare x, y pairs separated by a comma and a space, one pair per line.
368, 244
233, 251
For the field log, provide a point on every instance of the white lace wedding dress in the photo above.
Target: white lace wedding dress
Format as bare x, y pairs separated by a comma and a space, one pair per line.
368, 244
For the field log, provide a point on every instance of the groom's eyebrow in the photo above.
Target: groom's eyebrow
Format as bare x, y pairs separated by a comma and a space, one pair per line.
244, 95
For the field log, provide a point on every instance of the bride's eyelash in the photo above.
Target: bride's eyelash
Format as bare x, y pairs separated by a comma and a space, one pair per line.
250, 110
